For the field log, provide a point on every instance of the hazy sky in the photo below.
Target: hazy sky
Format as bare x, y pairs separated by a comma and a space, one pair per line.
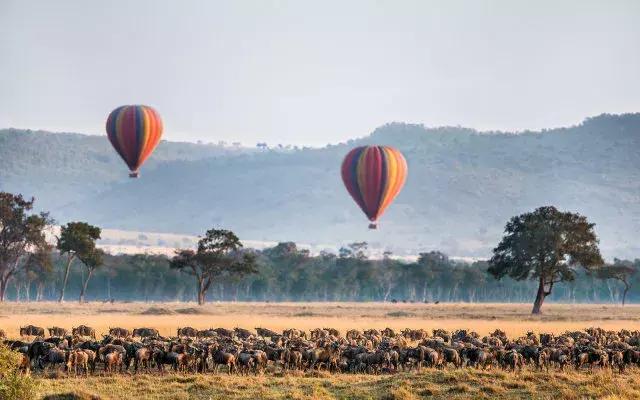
313, 72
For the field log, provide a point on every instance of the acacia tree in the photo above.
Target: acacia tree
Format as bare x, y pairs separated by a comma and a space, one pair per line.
287, 262
91, 261
38, 269
546, 245
20, 231
428, 268
218, 256
386, 274
621, 271
77, 240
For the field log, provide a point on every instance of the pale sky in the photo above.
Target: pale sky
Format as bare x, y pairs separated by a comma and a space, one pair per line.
316, 72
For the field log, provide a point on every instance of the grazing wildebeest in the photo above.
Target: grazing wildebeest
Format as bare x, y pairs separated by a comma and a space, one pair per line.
513, 360
187, 331
57, 331
143, 358
292, 359
221, 357
243, 333
224, 332
267, 333
53, 356
146, 333
112, 362
91, 358
38, 349
207, 333
119, 332
31, 330
162, 358
246, 362
84, 330
78, 359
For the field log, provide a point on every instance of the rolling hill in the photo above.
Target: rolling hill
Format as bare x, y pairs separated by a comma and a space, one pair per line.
463, 185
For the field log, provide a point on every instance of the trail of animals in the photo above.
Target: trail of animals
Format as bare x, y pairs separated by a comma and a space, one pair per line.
240, 351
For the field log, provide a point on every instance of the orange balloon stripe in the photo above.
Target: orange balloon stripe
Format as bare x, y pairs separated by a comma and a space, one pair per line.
146, 135
392, 173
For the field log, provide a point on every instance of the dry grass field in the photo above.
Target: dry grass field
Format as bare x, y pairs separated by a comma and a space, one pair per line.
449, 384
514, 319
432, 384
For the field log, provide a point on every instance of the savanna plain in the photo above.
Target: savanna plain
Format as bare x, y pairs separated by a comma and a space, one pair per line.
449, 383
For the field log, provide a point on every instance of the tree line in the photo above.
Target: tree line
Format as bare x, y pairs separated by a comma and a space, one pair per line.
542, 250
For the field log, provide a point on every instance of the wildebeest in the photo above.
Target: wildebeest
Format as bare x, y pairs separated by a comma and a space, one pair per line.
119, 332
224, 332
267, 333
57, 331
512, 360
53, 357
78, 360
206, 333
112, 362
242, 333
31, 330
187, 331
221, 357
143, 358
371, 351
84, 330
146, 333
38, 349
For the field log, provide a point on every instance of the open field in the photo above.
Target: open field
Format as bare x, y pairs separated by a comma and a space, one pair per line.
432, 384
514, 319
429, 383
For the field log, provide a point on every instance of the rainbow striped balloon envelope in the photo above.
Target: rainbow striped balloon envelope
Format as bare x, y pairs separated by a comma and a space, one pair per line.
373, 176
134, 132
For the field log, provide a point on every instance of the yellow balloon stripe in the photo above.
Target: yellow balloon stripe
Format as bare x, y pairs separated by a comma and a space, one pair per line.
397, 179
145, 132
390, 177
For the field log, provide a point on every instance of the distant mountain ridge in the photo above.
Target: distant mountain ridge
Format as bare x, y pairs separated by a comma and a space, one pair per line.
463, 185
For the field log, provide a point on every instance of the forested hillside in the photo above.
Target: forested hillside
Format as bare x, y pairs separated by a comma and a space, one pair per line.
462, 187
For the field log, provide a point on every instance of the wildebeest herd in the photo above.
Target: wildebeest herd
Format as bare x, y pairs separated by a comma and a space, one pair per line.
371, 351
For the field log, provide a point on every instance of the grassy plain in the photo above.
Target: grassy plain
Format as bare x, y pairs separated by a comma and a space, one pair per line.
449, 384
515, 319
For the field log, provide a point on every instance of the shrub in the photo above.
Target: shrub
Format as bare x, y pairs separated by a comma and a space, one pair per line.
13, 384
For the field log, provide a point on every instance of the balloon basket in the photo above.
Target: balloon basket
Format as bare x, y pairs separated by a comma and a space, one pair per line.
134, 175
373, 226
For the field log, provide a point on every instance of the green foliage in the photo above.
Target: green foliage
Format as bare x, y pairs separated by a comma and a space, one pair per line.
296, 275
620, 270
78, 238
14, 385
218, 256
547, 245
20, 229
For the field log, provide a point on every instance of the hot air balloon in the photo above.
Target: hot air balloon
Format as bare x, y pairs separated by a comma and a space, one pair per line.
373, 176
134, 131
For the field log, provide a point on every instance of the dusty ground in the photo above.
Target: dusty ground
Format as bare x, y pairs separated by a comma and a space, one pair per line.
515, 319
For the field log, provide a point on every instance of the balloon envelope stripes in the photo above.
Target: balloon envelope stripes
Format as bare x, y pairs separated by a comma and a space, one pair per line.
373, 176
134, 132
